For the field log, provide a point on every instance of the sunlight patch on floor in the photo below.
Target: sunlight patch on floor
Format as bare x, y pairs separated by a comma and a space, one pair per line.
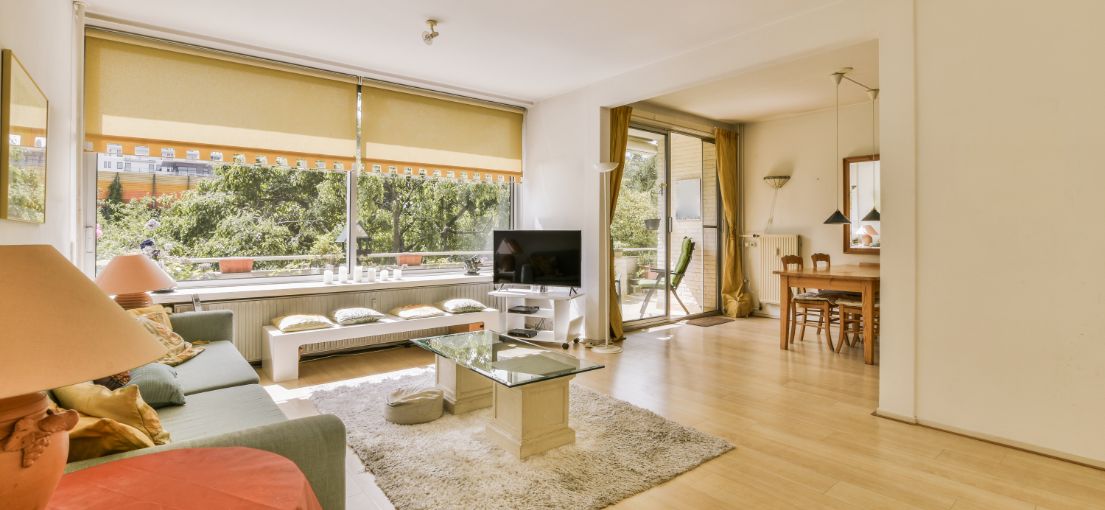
281, 394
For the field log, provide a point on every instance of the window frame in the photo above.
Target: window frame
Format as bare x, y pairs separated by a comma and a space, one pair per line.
88, 170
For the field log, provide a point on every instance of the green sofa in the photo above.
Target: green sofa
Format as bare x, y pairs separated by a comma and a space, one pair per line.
227, 407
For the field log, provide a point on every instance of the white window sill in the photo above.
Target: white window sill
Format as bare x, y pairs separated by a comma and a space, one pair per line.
262, 290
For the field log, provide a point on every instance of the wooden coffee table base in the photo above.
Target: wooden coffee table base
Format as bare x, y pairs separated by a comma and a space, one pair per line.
525, 420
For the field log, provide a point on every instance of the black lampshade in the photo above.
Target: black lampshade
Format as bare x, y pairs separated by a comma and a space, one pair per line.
837, 218
873, 215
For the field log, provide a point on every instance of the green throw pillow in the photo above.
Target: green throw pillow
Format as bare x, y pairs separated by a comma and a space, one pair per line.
158, 385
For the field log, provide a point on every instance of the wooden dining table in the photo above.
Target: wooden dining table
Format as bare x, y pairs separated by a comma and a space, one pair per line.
851, 278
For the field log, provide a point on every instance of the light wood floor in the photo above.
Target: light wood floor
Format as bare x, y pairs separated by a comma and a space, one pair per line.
800, 419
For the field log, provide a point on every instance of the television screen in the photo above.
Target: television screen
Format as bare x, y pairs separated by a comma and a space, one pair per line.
538, 257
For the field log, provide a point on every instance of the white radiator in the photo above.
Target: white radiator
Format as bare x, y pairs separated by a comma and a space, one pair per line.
770, 249
251, 314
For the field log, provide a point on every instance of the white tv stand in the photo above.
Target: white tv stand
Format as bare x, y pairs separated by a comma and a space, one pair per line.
563, 308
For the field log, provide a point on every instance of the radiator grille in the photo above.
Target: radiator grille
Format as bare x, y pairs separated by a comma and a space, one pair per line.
771, 249
251, 315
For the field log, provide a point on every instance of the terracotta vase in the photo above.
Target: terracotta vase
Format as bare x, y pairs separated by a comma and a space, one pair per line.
34, 446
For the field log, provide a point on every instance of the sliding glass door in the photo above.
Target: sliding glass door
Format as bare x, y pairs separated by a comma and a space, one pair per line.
665, 228
640, 230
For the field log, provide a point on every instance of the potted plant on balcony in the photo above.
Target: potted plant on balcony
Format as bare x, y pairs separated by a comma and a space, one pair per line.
235, 265
408, 259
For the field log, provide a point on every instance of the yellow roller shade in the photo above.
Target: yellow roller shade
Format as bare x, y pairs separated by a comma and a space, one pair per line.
407, 126
137, 90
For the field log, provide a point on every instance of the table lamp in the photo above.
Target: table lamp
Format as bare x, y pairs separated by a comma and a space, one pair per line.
58, 329
129, 277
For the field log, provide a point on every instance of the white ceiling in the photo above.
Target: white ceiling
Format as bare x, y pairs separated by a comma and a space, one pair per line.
782, 89
521, 50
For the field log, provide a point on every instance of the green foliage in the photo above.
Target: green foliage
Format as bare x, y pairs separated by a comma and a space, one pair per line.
113, 199
402, 214
264, 211
27, 184
640, 172
638, 200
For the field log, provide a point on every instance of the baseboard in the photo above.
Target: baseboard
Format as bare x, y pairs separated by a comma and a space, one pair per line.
881, 413
1000, 441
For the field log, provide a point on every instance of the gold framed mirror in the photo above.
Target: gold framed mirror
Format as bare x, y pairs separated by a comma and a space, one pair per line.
24, 114
861, 196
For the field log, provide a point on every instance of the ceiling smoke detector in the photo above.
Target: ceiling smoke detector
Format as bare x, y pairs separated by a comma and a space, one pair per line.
429, 35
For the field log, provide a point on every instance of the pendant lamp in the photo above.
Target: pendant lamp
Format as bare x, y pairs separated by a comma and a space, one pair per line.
837, 217
873, 215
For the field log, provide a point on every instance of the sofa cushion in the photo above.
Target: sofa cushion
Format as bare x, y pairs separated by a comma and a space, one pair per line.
217, 412
220, 365
178, 350
124, 405
158, 384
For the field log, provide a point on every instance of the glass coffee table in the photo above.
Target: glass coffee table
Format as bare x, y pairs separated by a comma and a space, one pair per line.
526, 386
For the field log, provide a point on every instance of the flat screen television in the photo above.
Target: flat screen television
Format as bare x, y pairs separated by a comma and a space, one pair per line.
538, 257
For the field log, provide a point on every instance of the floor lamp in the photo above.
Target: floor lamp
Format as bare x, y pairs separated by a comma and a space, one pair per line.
604, 170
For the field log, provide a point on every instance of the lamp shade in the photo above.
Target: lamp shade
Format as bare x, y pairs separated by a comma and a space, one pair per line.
59, 327
837, 218
128, 274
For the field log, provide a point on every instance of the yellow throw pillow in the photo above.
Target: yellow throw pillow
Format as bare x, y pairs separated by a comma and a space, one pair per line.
179, 350
96, 437
156, 313
124, 405
301, 322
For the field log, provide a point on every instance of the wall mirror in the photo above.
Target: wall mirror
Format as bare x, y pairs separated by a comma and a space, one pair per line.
23, 116
861, 195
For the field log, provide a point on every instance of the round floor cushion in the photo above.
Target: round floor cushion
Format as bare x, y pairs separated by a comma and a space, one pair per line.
408, 406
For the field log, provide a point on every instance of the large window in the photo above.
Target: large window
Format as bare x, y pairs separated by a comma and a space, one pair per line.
222, 167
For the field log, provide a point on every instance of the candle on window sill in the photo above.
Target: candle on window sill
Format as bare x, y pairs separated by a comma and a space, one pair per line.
328, 276
371, 276
398, 273
356, 273
343, 274
383, 275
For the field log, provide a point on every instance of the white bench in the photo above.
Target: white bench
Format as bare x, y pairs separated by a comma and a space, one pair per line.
280, 351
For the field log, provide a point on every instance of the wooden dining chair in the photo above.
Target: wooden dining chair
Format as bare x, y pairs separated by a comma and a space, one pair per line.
807, 305
851, 322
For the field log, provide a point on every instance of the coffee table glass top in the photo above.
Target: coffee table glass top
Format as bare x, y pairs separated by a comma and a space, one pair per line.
505, 360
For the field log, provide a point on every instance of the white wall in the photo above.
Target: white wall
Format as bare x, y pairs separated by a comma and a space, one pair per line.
1010, 200
564, 138
40, 34
802, 147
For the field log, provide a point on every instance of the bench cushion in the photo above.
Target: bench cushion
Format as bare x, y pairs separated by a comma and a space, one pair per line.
217, 412
220, 365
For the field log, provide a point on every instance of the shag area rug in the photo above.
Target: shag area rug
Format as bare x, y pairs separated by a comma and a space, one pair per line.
620, 450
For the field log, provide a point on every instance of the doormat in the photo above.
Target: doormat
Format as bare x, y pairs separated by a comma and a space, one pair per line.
712, 320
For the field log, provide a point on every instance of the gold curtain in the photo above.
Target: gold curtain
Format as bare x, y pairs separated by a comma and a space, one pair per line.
736, 300
619, 137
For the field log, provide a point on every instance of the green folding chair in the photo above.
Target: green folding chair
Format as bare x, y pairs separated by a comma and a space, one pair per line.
676, 277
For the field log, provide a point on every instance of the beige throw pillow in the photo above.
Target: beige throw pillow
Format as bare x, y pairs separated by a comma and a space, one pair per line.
124, 405
301, 322
356, 315
417, 312
156, 313
179, 351
461, 305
